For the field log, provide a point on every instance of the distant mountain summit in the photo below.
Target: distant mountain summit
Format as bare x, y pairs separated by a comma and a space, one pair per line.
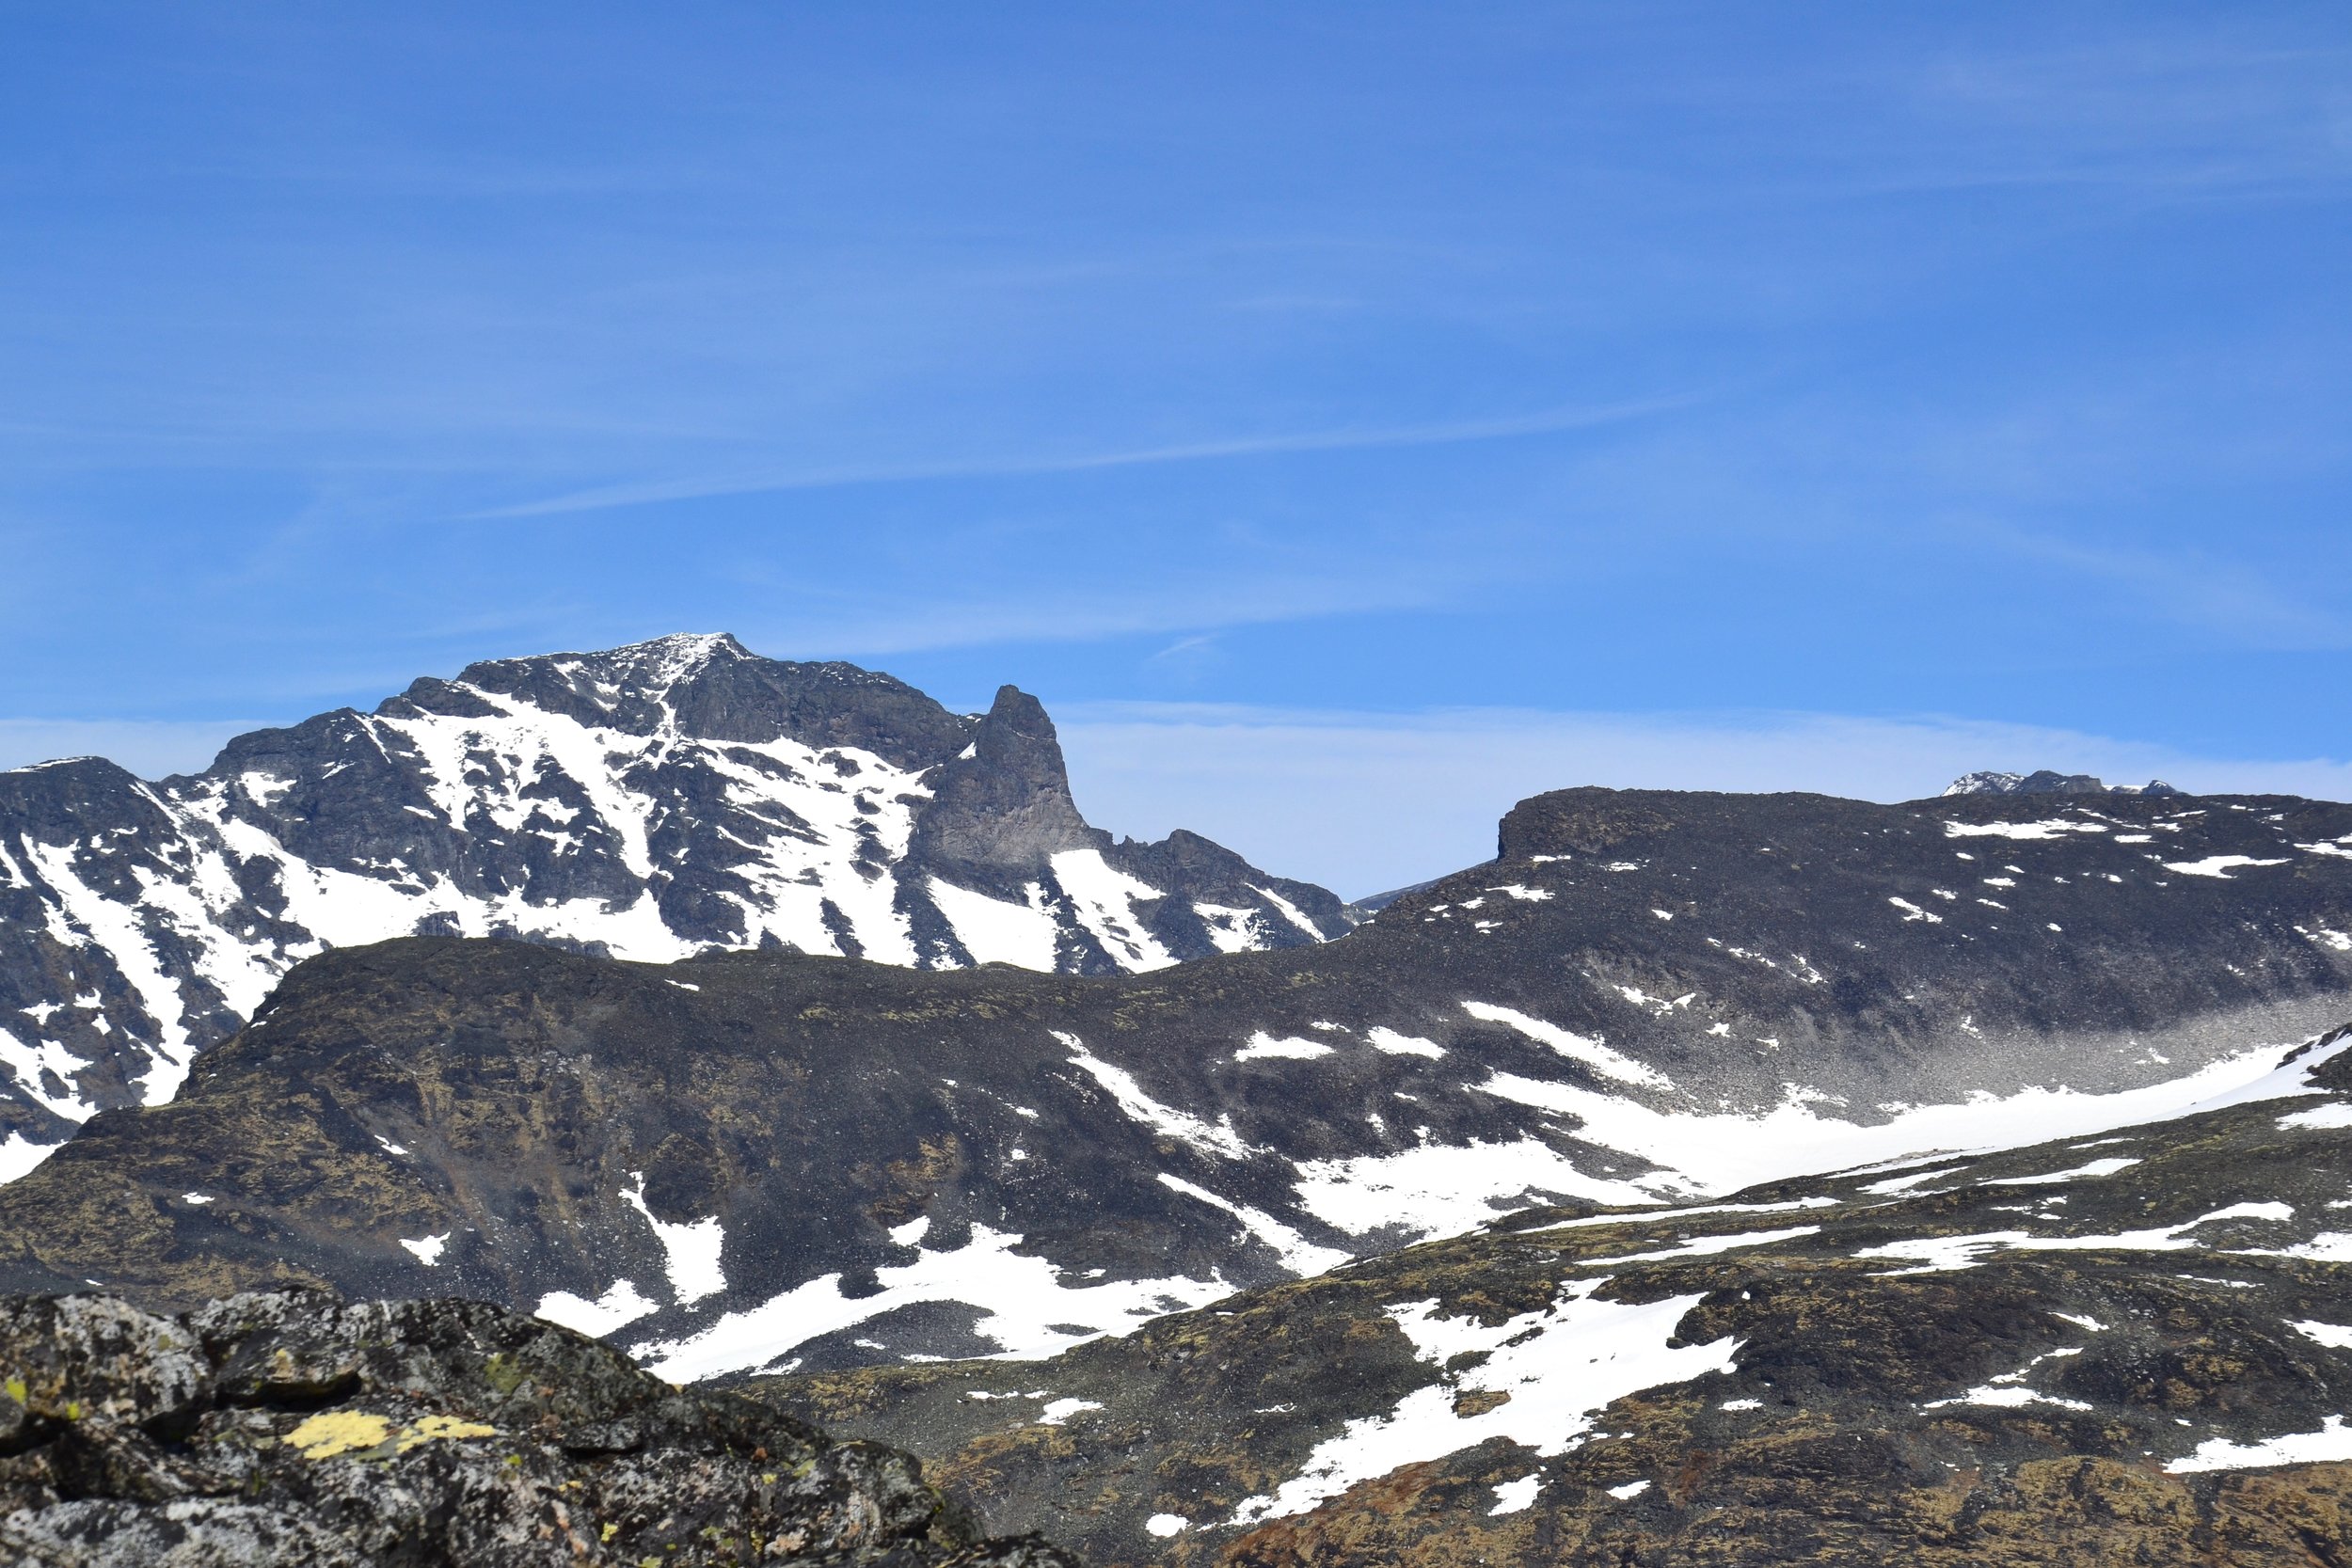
2045, 781
648, 802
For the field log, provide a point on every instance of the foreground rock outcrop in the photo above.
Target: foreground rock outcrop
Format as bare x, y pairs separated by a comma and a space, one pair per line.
296, 1428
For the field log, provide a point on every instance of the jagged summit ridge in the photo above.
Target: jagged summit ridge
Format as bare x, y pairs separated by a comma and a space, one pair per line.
649, 803
2049, 782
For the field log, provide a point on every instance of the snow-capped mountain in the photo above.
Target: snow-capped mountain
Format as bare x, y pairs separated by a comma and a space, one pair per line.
649, 803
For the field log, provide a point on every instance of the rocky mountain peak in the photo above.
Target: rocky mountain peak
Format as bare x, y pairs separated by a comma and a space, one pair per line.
1002, 809
650, 802
2048, 782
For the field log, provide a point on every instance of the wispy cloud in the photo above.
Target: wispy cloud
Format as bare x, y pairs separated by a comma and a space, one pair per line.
1059, 614
2190, 587
1544, 423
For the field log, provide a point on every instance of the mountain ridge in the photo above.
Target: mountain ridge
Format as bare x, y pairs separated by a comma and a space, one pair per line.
750, 1158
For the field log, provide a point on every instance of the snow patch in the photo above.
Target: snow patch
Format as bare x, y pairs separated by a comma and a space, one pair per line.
1218, 1139
616, 1308
2216, 866
1561, 1366
19, 1155
1594, 1054
1023, 1303
1262, 1045
692, 1249
1299, 1254
1513, 1497
2050, 829
1106, 900
427, 1248
2330, 1444
1390, 1043
994, 931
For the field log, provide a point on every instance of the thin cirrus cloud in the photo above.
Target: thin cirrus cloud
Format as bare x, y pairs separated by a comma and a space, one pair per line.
1366, 801
2191, 588
1195, 602
1544, 423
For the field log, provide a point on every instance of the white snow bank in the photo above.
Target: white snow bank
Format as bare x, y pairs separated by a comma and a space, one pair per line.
1390, 1043
2331, 1443
2049, 829
692, 1249
2216, 866
1262, 1045
616, 1308
1704, 1154
1299, 1254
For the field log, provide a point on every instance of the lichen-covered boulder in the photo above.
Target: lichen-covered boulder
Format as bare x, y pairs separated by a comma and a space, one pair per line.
294, 1427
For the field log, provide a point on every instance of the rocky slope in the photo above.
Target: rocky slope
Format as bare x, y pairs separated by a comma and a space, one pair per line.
649, 803
767, 1161
2130, 1349
299, 1429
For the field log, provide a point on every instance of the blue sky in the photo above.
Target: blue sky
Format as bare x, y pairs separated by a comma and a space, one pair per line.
1353, 396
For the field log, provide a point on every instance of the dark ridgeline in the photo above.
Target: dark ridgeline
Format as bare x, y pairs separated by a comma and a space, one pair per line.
509, 1120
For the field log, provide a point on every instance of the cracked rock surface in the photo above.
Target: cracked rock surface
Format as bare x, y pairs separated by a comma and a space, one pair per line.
294, 1427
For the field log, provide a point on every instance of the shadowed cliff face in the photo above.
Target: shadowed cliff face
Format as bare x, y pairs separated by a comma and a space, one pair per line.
998, 815
2130, 1349
647, 802
755, 1161
291, 1428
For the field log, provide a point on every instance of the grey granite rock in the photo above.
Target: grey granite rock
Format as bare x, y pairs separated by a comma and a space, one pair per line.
294, 1428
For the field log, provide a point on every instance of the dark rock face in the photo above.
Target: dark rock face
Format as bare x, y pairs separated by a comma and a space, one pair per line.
292, 1428
749, 1160
2135, 1349
649, 803
999, 816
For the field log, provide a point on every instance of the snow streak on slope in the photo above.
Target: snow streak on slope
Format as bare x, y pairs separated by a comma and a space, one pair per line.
1442, 1189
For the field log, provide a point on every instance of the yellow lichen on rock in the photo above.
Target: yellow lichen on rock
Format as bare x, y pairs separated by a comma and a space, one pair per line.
339, 1432
431, 1427
335, 1432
